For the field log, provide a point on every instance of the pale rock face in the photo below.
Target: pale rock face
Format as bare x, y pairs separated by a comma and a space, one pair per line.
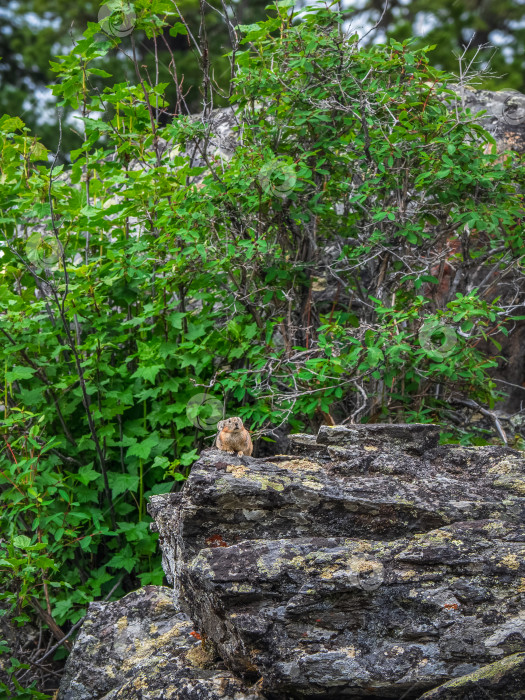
504, 118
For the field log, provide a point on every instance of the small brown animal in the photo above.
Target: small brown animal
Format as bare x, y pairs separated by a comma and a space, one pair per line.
232, 437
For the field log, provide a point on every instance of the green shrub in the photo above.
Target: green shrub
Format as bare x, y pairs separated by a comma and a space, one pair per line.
139, 277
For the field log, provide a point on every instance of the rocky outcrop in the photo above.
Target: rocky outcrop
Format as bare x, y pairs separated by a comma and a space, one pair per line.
142, 648
369, 563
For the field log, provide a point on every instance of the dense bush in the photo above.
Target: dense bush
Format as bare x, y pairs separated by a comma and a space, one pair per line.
291, 277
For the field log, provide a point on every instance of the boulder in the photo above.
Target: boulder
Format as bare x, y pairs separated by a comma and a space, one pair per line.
370, 562
503, 118
142, 648
502, 679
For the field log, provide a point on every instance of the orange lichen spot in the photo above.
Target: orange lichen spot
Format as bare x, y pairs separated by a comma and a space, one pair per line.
215, 541
196, 635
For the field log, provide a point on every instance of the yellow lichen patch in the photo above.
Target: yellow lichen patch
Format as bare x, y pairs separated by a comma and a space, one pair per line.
395, 651
268, 483
310, 484
146, 647
521, 588
241, 588
140, 683
297, 562
237, 470
370, 448
364, 566
506, 466
493, 527
437, 536
405, 575
350, 651
329, 571
299, 465
153, 628
198, 657
122, 623
510, 561
163, 604
513, 482
362, 546
180, 628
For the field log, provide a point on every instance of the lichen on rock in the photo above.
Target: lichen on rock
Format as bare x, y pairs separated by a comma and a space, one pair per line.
369, 563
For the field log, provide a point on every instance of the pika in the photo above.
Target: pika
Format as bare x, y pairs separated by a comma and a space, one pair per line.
233, 437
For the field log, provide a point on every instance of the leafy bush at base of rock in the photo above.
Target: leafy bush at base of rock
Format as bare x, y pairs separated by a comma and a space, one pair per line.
161, 279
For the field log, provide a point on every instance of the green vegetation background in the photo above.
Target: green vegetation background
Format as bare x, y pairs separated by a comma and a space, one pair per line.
33, 32
137, 277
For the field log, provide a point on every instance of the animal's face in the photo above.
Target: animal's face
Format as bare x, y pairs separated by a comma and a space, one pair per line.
232, 424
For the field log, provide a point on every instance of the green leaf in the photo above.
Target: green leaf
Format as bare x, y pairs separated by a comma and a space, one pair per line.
119, 483
143, 449
178, 28
123, 560
19, 372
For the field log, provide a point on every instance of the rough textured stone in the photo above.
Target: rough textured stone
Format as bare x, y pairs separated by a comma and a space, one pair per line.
319, 615
141, 648
504, 116
413, 439
373, 564
502, 680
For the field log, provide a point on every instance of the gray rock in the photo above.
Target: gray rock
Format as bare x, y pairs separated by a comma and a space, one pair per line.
502, 679
374, 564
141, 648
504, 116
316, 615
415, 438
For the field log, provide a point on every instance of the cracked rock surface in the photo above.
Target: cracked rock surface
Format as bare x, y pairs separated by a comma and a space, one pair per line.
369, 563
141, 648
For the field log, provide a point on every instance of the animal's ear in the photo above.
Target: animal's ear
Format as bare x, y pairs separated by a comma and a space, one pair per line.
220, 425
